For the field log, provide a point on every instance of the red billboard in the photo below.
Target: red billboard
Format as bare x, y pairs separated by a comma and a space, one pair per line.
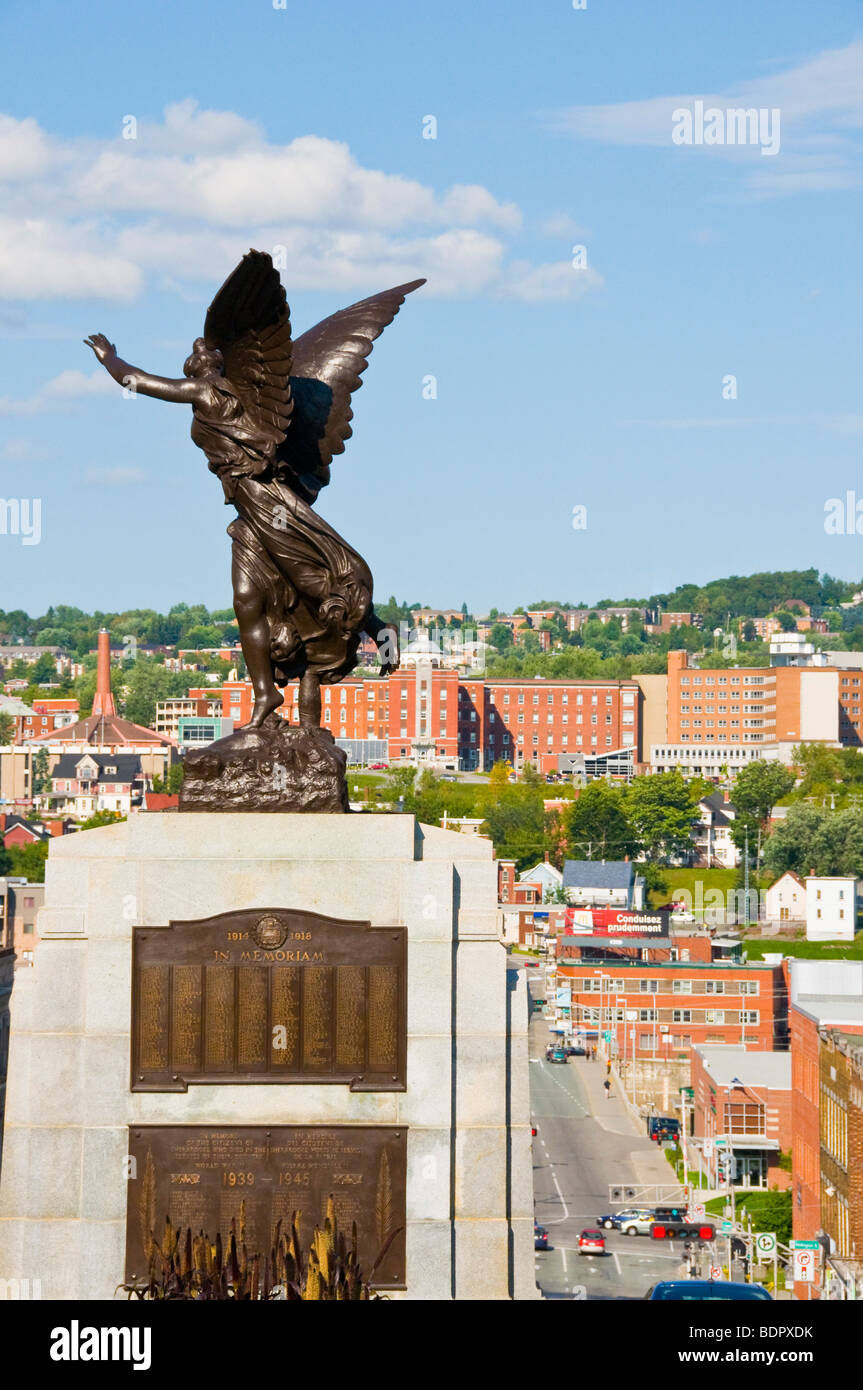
617, 922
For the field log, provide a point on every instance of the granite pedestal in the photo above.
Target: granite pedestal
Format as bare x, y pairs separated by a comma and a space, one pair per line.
63, 1186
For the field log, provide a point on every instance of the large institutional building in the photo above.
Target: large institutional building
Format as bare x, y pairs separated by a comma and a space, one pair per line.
437, 715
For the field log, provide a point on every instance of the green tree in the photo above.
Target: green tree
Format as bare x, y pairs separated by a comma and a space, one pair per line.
173, 782
7, 727
662, 811
100, 818
28, 861
598, 826
41, 772
516, 823
812, 839
500, 637
819, 769
758, 787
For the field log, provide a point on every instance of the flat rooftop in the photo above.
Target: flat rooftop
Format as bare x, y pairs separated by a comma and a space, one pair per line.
725, 1063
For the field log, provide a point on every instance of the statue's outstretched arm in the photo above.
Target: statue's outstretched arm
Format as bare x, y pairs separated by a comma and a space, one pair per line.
183, 390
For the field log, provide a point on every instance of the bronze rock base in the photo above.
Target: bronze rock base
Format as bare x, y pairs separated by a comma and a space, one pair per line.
278, 767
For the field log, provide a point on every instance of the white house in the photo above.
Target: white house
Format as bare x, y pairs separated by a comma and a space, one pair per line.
713, 843
546, 875
785, 900
831, 908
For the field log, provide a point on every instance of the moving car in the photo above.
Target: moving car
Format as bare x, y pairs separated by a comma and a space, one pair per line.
558, 1055
540, 1237
639, 1225
701, 1290
661, 1127
575, 1051
591, 1243
616, 1220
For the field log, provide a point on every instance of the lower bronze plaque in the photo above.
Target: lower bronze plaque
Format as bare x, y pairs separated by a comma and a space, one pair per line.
200, 1177
269, 995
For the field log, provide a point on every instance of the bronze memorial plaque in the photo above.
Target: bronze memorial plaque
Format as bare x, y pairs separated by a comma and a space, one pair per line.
198, 1177
269, 995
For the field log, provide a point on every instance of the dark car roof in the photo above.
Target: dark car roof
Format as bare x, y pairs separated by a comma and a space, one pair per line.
701, 1289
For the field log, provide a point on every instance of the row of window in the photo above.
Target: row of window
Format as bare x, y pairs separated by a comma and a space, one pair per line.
728, 680
588, 1013
647, 985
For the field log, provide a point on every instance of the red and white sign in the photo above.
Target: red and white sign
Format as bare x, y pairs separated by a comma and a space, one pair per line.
804, 1266
698, 1212
613, 921
715, 1272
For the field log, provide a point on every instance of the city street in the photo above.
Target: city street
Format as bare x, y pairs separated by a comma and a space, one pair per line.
578, 1151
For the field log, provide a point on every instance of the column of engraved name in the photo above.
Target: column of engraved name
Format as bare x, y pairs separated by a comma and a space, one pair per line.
285, 1018
219, 1018
154, 1017
317, 1018
383, 1017
186, 998
350, 1018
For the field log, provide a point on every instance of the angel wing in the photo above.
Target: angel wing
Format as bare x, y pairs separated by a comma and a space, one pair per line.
328, 363
249, 322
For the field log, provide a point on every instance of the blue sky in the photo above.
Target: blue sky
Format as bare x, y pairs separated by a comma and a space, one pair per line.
556, 386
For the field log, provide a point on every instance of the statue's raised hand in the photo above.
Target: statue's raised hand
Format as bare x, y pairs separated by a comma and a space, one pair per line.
101, 346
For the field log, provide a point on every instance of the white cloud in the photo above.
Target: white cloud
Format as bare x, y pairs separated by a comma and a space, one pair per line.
188, 196
820, 103
121, 475
60, 392
40, 259
556, 281
24, 451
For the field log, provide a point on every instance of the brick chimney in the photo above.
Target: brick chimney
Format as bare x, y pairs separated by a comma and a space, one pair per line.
103, 701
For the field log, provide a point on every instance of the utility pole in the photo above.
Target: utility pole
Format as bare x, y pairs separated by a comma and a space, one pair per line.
746, 875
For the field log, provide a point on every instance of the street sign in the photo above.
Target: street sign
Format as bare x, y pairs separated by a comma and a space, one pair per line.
804, 1244
804, 1266
765, 1243
698, 1212
727, 1227
715, 1272
707, 1148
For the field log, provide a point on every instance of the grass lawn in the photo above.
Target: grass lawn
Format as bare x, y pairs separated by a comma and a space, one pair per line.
686, 881
770, 1211
757, 947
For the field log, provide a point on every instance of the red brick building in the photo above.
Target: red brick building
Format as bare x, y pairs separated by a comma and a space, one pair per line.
678, 1005
822, 995
841, 1140
742, 1096
47, 716
481, 721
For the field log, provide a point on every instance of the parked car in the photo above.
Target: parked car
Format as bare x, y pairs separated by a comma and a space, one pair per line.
540, 1237
374, 767
591, 1243
701, 1290
616, 1220
575, 1051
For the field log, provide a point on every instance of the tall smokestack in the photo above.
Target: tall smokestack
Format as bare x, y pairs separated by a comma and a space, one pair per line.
103, 702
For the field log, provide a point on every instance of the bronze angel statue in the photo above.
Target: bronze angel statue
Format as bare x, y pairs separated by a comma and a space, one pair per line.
270, 412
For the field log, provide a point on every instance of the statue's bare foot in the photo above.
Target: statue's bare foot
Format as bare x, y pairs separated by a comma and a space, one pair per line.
264, 707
